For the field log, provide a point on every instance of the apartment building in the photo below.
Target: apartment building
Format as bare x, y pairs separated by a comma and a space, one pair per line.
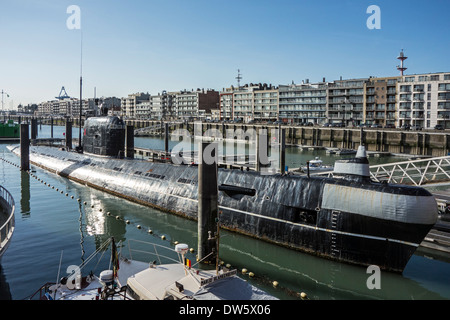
380, 96
163, 106
191, 105
128, 104
143, 109
48, 108
67, 107
249, 102
243, 103
226, 104
265, 103
303, 103
346, 101
424, 100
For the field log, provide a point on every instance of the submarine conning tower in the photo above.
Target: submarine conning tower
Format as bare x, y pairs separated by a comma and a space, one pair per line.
354, 168
104, 136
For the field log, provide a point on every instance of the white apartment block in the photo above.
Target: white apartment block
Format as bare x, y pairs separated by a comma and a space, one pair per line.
249, 102
143, 109
424, 100
303, 103
163, 106
128, 104
346, 101
195, 105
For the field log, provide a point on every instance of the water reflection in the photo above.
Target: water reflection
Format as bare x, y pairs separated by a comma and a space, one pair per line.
295, 271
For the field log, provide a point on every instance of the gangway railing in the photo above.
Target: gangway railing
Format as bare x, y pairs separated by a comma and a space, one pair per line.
156, 127
416, 172
411, 172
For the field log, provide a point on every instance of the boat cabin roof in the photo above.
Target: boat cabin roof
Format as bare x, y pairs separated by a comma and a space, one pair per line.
173, 281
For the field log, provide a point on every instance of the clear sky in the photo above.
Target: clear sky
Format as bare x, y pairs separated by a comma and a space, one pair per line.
154, 45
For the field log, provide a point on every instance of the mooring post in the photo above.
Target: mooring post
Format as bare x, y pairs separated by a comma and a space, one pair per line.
24, 147
207, 202
282, 136
51, 127
68, 134
261, 149
33, 128
166, 138
129, 141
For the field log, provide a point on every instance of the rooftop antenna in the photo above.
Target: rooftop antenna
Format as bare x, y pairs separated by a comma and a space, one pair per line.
402, 58
239, 79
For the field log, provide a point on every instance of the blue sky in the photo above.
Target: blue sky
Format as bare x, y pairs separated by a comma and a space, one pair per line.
154, 45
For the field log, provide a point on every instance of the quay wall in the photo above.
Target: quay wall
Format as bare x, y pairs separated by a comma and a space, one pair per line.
424, 143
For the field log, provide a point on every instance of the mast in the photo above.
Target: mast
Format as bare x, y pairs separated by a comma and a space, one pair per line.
81, 90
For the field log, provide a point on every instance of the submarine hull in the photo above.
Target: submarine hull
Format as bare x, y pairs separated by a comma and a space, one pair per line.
358, 222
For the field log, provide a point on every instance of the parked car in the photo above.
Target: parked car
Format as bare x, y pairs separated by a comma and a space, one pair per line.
326, 125
376, 125
278, 122
416, 127
439, 127
406, 127
309, 124
389, 126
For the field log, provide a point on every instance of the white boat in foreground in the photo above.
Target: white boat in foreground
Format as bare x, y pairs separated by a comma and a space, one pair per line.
136, 280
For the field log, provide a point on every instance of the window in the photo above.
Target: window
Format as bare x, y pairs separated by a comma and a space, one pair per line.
405, 88
434, 77
444, 86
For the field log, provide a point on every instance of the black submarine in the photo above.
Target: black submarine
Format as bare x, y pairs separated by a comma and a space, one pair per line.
347, 217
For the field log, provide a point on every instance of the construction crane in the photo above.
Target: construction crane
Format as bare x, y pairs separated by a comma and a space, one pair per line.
63, 94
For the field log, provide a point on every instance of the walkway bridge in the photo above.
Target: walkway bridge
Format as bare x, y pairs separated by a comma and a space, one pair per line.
154, 129
414, 172
418, 172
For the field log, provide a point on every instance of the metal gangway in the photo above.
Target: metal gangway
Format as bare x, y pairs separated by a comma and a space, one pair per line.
415, 172
155, 128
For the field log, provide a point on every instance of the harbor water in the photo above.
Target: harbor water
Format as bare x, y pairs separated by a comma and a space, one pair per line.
55, 231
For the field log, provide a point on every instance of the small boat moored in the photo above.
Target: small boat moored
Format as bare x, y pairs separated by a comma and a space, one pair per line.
316, 165
136, 280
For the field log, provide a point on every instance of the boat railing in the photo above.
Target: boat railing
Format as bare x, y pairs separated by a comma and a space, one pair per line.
7, 228
43, 291
159, 251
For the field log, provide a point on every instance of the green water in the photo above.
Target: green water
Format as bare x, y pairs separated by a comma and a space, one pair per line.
50, 224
